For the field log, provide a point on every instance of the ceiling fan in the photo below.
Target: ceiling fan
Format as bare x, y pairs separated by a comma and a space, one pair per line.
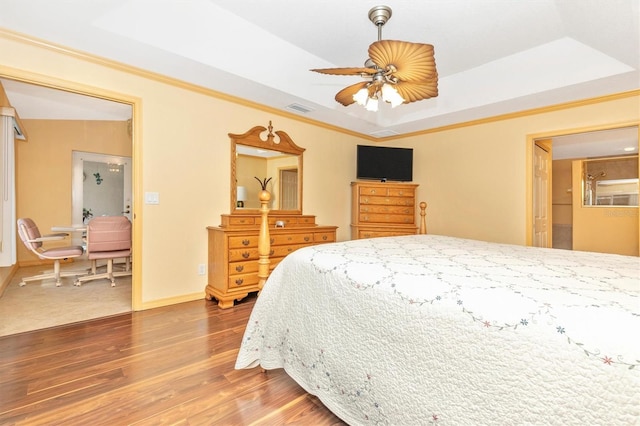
396, 71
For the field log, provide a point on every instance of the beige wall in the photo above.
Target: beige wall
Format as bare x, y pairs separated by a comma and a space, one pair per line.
474, 178
181, 151
43, 168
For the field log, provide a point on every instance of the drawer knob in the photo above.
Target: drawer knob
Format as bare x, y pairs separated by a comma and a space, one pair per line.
306, 238
271, 240
246, 254
324, 237
245, 242
271, 253
239, 281
239, 268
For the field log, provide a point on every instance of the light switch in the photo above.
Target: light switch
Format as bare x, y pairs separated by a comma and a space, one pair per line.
151, 198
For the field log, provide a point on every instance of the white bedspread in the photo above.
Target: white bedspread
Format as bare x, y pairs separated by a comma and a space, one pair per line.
429, 329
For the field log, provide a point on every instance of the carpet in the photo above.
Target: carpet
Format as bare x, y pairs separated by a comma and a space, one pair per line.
40, 304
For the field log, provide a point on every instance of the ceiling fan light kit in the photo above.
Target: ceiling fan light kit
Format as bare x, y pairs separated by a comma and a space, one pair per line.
397, 71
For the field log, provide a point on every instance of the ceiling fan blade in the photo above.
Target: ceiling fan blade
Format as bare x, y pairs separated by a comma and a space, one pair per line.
345, 96
346, 71
417, 91
412, 61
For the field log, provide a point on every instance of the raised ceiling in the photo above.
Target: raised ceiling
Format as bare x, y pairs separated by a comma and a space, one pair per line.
493, 56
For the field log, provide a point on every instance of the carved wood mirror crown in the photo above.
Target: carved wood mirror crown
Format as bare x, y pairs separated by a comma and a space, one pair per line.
262, 155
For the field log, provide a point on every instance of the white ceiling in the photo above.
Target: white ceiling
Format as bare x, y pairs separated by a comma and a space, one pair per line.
493, 56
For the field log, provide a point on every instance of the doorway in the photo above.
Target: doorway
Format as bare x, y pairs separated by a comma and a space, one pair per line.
97, 102
567, 146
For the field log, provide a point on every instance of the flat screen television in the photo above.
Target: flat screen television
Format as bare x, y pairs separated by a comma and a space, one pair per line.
384, 163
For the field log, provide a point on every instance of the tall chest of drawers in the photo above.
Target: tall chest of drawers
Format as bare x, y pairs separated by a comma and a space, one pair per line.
233, 251
380, 209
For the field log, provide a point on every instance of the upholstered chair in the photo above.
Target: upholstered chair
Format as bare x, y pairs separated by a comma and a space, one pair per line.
108, 238
33, 240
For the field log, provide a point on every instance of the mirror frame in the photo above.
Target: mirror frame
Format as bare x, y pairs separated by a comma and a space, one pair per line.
283, 143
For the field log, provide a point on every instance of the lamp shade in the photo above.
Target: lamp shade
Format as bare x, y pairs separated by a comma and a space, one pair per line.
241, 194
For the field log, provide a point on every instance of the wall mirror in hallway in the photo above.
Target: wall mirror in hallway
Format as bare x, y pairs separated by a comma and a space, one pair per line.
101, 186
610, 182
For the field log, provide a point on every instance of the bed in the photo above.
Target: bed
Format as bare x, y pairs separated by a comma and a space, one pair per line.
429, 329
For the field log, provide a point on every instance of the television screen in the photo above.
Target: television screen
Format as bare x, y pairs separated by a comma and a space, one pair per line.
384, 163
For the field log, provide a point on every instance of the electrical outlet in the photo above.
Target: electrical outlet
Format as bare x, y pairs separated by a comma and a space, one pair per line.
201, 270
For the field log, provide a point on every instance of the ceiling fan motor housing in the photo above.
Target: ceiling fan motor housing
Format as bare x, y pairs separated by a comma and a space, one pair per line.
379, 15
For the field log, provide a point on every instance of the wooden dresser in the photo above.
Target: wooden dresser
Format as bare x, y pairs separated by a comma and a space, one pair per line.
382, 209
233, 251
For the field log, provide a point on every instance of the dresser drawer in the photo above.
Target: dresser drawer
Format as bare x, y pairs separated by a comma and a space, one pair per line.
372, 190
373, 208
386, 201
243, 267
386, 218
244, 241
236, 255
324, 237
307, 220
401, 192
282, 251
282, 239
242, 280
241, 220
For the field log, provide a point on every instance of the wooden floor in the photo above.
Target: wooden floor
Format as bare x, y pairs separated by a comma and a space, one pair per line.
171, 365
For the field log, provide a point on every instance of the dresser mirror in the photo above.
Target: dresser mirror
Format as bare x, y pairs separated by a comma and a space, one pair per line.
261, 155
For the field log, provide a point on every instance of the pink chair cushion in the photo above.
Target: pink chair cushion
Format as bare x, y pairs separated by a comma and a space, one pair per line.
108, 234
63, 252
31, 230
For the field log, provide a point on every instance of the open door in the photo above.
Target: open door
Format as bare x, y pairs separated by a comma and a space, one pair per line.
542, 156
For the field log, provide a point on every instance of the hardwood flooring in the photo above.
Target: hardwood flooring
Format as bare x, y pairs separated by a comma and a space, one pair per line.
172, 365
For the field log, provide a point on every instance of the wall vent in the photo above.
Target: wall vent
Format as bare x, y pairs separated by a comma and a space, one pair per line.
384, 133
298, 108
